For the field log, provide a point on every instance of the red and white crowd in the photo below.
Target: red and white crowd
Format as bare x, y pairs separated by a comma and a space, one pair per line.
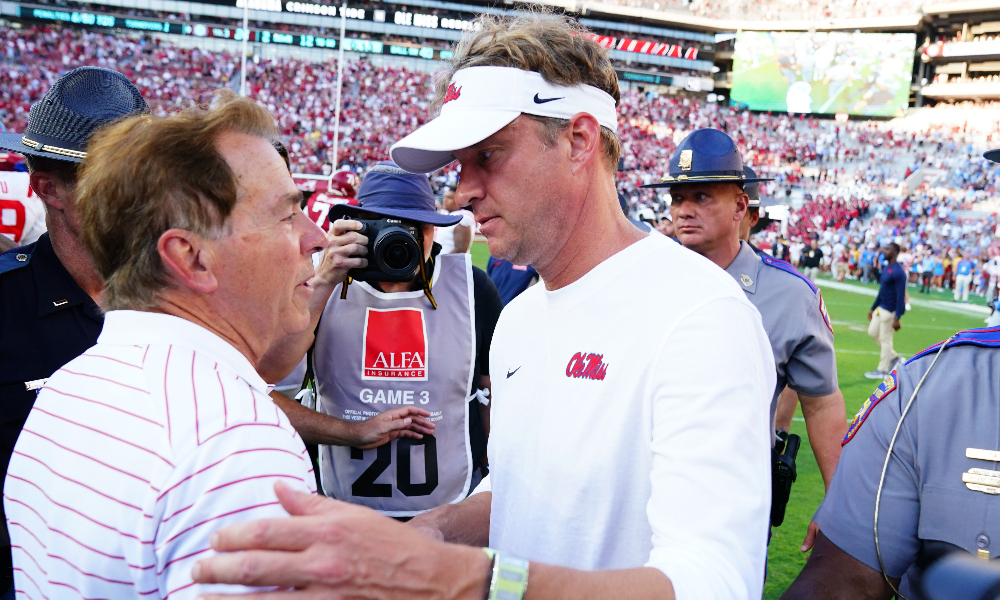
856, 181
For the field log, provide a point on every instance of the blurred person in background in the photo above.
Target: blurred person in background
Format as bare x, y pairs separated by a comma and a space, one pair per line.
926, 271
509, 278
781, 249
937, 277
457, 238
812, 257
49, 289
963, 277
867, 263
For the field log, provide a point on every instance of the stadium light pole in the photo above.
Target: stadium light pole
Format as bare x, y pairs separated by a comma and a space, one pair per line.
246, 36
340, 83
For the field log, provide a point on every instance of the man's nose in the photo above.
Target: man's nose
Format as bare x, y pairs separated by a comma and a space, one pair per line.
313, 239
469, 189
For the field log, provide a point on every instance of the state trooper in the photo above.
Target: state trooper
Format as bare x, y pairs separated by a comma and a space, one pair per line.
755, 221
49, 289
708, 188
918, 477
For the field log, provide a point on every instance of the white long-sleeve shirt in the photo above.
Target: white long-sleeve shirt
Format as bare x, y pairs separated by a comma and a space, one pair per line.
631, 425
134, 453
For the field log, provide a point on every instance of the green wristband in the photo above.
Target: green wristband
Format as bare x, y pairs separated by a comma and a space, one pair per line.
509, 578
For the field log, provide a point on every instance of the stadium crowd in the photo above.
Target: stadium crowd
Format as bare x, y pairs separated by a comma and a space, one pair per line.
833, 164
382, 103
812, 10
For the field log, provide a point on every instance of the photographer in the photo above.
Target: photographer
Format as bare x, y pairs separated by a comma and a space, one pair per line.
372, 347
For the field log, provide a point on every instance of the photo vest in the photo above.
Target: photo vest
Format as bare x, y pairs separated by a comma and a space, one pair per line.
377, 351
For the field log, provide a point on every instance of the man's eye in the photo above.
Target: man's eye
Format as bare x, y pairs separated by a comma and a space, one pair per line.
484, 156
290, 217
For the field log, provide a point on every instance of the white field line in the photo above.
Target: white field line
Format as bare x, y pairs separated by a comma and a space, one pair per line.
953, 307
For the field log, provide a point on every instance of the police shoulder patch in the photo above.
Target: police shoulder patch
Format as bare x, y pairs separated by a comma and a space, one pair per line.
788, 268
888, 384
14, 259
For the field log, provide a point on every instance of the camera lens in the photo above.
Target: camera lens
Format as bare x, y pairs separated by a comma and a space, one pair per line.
396, 252
397, 256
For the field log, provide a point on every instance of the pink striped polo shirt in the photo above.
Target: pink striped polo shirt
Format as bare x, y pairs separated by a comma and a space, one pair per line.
134, 453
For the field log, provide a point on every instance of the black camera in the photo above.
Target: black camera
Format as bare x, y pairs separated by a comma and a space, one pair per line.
393, 251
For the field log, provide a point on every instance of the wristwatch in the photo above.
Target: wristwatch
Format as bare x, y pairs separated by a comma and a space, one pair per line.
509, 578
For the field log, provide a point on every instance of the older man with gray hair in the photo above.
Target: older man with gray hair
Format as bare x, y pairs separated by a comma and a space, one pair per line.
139, 448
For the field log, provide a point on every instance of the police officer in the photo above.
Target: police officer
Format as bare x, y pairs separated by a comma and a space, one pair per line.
708, 202
884, 521
754, 221
48, 289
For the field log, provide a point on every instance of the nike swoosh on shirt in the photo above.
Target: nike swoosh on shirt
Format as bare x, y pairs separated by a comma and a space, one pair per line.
511, 373
543, 101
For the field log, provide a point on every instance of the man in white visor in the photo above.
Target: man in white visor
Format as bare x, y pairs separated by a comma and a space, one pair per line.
630, 411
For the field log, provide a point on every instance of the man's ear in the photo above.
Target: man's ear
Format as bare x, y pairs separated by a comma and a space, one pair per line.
742, 206
50, 190
188, 260
585, 139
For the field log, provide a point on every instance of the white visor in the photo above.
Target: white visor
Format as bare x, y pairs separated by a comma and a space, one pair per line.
483, 100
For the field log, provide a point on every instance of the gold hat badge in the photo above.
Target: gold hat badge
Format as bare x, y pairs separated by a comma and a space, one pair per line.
684, 162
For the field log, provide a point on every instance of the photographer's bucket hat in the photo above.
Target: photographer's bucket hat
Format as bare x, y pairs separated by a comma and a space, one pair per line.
706, 156
79, 103
481, 101
390, 191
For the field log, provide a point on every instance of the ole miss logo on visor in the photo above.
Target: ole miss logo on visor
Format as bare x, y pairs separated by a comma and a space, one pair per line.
452, 94
395, 345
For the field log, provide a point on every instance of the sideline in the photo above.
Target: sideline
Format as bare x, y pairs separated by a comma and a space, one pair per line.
953, 307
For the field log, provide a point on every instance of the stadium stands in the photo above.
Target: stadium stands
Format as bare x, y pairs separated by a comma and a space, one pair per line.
809, 10
842, 166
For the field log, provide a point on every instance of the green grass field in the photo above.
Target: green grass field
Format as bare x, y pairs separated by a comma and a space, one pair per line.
856, 354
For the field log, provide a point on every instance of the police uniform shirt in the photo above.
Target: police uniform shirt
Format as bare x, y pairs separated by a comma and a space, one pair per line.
46, 321
795, 319
926, 507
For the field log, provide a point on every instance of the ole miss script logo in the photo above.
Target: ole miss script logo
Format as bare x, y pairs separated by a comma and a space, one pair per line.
452, 94
395, 345
587, 366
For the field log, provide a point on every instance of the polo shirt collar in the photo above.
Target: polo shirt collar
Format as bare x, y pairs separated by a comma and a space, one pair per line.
133, 327
56, 288
745, 268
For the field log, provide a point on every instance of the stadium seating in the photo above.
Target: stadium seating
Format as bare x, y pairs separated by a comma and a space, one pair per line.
841, 166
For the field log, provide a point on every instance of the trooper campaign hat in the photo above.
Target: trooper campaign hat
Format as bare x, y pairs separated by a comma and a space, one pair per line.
389, 191
77, 105
752, 190
706, 156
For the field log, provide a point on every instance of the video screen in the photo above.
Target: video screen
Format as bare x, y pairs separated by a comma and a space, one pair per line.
835, 72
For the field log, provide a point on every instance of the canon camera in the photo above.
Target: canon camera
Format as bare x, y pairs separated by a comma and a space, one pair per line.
393, 251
